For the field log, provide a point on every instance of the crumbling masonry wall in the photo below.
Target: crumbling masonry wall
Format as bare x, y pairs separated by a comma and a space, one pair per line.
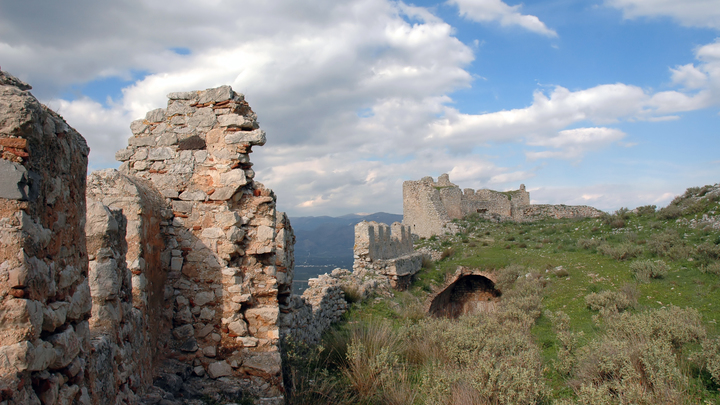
228, 253
44, 295
386, 250
429, 206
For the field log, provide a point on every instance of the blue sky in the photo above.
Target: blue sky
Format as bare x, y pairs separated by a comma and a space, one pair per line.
608, 103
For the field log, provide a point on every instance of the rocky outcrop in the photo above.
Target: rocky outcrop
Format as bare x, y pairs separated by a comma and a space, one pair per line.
45, 298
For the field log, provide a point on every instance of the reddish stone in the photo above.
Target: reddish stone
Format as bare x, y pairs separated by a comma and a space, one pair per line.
18, 143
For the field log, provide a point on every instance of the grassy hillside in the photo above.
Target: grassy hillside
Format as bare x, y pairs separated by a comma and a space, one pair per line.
620, 309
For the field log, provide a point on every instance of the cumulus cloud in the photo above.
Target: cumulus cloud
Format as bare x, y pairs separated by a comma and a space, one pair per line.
572, 144
354, 95
694, 13
496, 10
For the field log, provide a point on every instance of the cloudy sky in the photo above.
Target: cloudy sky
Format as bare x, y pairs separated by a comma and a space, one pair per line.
608, 103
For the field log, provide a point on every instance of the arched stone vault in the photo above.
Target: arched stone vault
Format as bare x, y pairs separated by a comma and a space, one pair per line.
468, 291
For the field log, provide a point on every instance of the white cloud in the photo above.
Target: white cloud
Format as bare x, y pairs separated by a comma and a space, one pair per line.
572, 144
496, 10
695, 13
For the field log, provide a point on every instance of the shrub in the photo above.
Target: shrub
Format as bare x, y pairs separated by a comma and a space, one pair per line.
608, 302
712, 268
636, 359
644, 270
351, 293
449, 252
588, 243
670, 212
709, 358
427, 261
623, 251
646, 210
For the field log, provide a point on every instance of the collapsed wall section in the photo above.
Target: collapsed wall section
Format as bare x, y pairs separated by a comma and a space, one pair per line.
44, 294
386, 250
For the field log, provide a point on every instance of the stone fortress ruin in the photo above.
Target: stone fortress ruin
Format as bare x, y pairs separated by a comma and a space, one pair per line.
166, 280
429, 206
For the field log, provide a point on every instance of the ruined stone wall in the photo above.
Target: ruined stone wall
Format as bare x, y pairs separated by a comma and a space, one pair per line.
44, 294
542, 211
423, 210
428, 207
228, 255
320, 305
386, 250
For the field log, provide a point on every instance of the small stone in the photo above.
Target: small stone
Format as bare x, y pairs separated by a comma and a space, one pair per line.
255, 137
195, 195
156, 115
219, 369
209, 351
199, 371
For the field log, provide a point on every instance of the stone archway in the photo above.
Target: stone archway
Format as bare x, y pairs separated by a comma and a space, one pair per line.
467, 292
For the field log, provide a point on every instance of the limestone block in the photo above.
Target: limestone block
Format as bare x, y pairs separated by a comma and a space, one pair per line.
238, 327
233, 178
141, 141
264, 234
183, 332
15, 358
176, 263
209, 351
266, 315
206, 330
223, 193
138, 127
232, 120
162, 153
203, 118
248, 341
254, 137
67, 347
202, 298
14, 181
67, 394
167, 139
20, 319
178, 107
207, 314
216, 95
199, 371
43, 355
182, 95
81, 302
227, 218
193, 195
213, 233
266, 362
54, 315
156, 115
219, 369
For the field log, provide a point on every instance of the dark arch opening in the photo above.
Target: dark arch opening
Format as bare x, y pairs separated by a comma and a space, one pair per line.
468, 295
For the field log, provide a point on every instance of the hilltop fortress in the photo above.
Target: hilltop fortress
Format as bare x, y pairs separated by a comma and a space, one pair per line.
429, 206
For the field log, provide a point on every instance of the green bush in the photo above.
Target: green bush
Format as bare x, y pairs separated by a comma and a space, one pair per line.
644, 270
588, 243
608, 301
635, 360
670, 212
646, 210
622, 251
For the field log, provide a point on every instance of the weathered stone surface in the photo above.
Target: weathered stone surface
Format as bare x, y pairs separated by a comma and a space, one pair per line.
216, 95
156, 115
255, 137
219, 369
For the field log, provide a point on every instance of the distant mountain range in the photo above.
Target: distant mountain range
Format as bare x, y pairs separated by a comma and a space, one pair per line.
330, 240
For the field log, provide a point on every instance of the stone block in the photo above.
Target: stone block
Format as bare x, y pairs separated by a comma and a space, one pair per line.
156, 115
14, 181
193, 195
255, 137
162, 153
67, 347
176, 263
219, 369
216, 95
233, 178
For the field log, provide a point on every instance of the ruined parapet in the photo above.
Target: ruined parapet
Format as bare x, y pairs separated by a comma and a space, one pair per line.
468, 291
44, 294
228, 251
386, 250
